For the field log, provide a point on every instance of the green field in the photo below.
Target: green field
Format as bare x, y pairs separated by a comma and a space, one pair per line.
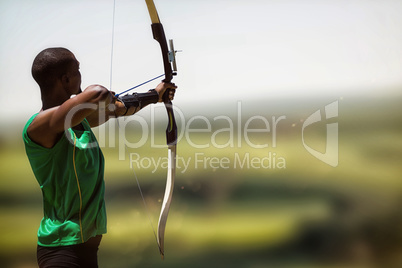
301, 213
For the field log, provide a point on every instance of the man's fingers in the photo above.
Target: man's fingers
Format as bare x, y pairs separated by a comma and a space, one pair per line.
171, 86
171, 93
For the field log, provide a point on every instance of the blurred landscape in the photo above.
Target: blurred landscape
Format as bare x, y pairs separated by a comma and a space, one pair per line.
298, 212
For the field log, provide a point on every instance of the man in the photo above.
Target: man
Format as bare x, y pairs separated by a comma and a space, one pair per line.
66, 159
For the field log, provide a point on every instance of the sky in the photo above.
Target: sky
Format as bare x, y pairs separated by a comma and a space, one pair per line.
231, 50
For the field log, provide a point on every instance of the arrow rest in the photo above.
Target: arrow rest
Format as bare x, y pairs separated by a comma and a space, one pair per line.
172, 56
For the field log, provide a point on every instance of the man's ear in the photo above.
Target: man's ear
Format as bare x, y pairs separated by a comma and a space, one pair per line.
65, 79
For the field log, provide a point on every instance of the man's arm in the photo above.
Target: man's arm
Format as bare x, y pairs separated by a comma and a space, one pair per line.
92, 104
129, 108
48, 126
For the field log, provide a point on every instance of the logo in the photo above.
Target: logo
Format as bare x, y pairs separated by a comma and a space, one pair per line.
330, 156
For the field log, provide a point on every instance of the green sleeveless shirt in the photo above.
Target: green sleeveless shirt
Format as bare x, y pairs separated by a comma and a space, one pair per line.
70, 176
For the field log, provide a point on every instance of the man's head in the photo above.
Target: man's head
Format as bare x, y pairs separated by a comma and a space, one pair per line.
56, 65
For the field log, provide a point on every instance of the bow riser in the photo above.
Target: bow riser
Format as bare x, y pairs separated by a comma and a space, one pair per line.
171, 130
159, 35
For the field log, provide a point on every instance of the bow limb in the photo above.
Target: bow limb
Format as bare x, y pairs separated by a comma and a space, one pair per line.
167, 199
171, 130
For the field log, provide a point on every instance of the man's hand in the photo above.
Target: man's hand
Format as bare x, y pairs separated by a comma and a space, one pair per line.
162, 87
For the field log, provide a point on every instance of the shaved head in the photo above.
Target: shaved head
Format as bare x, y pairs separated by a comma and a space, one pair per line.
50, 64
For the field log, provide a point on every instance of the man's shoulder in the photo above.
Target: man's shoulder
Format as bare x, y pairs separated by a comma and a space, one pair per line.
37, 130
28, 123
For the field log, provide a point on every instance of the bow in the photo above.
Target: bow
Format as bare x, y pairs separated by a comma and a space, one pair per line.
171, 130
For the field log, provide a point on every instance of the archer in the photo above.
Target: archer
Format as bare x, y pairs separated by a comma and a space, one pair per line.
66, 159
